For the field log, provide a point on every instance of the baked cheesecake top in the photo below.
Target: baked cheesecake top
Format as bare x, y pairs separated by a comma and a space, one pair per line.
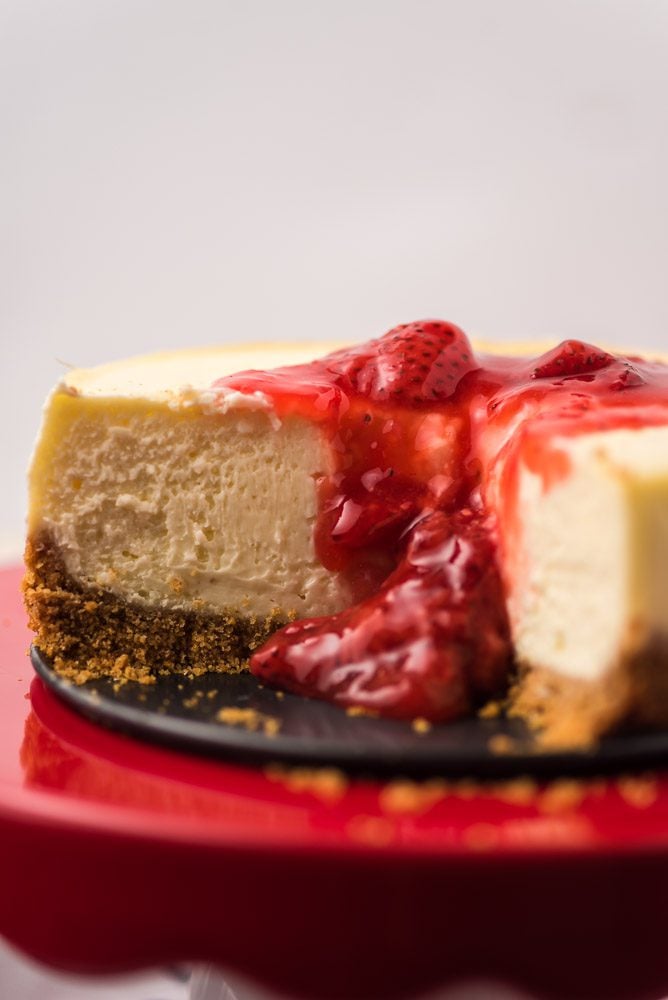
427, 437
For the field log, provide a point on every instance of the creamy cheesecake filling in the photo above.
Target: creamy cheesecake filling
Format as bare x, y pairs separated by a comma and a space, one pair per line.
176, 507
586, 575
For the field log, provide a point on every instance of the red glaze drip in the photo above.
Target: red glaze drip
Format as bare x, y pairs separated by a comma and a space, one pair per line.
425, 435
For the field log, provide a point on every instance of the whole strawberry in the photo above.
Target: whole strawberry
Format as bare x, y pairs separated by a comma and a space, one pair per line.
413, 365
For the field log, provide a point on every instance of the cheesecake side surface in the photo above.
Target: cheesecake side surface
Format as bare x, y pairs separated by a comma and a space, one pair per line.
587, 583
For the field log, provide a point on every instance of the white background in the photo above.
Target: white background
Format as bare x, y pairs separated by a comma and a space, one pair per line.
176, 173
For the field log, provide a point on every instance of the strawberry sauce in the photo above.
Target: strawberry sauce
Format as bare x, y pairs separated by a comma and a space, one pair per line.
426, 439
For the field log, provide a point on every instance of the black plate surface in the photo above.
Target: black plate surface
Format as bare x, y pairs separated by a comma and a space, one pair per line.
182, 714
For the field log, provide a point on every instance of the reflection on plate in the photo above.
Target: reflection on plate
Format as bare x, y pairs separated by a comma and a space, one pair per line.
233, 716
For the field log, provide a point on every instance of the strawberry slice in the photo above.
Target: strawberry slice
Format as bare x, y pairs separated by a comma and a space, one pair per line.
412, 365
571, 358
360, 516
627, 378
432, 642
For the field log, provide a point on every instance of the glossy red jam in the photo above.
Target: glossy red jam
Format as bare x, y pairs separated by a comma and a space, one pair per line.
425, 435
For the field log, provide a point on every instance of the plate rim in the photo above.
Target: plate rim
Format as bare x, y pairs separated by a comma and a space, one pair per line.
238, 745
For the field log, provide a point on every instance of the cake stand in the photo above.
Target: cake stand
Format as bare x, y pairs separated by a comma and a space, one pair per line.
118, 855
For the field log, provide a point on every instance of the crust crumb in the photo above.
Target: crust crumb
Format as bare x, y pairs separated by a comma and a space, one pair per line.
250, 719
421, 726
562, 796
328, 784
502, 745
357, 710
640, 791
410, 797
517, 792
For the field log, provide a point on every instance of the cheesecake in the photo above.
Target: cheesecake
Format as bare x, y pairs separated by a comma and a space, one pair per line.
170, 525
408, 527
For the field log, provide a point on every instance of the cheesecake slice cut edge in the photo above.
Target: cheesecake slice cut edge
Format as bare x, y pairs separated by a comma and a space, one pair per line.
164, 533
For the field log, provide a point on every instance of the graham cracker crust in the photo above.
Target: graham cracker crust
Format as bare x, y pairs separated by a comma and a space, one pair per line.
568, 713
89, 632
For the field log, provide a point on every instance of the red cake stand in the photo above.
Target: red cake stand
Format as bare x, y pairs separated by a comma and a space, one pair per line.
117, 855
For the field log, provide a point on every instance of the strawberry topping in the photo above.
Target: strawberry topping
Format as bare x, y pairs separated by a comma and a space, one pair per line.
434, 638
571, 358
415, 364
422, 432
